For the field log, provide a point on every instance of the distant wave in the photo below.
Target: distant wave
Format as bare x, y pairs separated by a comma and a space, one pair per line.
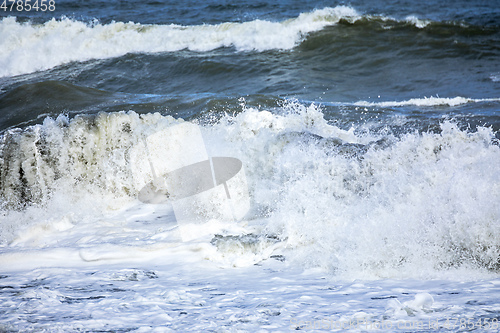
26, 47
428, 101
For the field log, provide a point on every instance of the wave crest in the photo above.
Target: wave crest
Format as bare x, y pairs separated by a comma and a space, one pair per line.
58, 42
359, 205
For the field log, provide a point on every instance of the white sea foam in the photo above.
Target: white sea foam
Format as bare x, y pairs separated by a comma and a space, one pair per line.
419, 23
428, 101
353, 205
27, 47
332, 206
169, 296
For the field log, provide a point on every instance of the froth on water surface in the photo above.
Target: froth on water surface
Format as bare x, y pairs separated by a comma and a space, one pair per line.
368, 204
364, 140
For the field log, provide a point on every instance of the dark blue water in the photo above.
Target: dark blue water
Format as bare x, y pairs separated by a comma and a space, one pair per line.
214, 11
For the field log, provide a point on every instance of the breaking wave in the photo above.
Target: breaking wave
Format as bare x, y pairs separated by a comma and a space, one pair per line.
354, 204
61, 41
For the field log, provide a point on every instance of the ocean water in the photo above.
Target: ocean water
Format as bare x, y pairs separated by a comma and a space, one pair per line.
368, 135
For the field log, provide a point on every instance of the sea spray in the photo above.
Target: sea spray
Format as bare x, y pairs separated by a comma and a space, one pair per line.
371, 204
81, 41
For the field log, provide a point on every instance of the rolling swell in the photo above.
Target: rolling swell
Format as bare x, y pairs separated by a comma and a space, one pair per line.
30, 102
377, 44
375, 56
